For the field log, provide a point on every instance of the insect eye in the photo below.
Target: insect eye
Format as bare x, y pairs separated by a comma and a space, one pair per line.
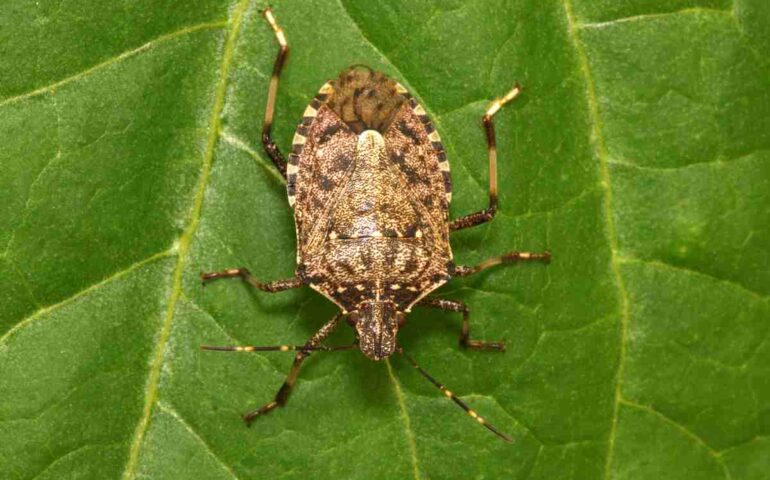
400, 318
352, 319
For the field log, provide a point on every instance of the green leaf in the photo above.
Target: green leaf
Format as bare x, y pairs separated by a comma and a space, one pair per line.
639, 154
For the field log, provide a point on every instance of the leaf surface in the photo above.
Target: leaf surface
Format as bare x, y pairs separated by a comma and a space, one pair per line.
639, 155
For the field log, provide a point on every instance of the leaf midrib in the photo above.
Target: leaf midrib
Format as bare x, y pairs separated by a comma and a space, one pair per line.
600, 151
186, 239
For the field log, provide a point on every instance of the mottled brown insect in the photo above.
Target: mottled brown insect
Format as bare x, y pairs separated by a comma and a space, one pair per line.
369, 182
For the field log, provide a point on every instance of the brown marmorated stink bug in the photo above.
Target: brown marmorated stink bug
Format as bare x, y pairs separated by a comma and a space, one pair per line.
368, 179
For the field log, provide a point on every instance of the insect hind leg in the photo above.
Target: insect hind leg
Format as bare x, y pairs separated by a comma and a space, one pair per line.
483, 216
271, 148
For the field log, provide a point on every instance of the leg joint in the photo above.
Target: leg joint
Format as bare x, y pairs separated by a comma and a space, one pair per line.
283, 394
493, 202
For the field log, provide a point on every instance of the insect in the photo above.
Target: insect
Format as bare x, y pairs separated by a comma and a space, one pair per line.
369, 182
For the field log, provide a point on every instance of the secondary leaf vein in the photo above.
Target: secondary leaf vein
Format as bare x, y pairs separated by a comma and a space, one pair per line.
651, 16
669, 421
168, 409
122, 56
39, 313
689, 271
244, 147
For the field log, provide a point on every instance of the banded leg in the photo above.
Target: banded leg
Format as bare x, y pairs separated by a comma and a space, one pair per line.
271, 148
283, 393
455, 306
455, 399
278, 348
272, 287
488, 213
508, 258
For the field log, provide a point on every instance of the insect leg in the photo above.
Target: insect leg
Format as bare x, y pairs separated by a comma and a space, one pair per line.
488, 213
279, 348
267, 140
508, 258
455, 306
455, 399
283, 393
274, 286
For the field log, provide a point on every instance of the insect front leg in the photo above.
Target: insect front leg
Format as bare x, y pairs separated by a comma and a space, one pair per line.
488, 213
271, 148
282, 396
272, 287
278, 348
465, 340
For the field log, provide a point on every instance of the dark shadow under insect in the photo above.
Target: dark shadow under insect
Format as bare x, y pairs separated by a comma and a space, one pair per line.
369, 182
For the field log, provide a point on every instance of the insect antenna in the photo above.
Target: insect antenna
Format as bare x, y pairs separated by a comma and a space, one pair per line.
279, 348
454, 398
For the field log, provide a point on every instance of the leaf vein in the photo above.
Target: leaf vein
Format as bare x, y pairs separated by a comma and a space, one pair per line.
239, 144
171, 411
653, 16
38, 313
28, 202
756, 438
600, 150
516, 419
405, 417
66, 455
260, 356
122, 56
24, 282
716, 162
664, 265
669, 421
186, 239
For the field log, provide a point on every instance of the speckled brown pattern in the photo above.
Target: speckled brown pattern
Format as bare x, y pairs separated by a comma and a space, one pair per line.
371, 208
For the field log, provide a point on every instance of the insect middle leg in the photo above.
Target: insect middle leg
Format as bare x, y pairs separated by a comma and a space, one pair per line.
283, 393
483, 216
271, 148
465, 340
506, 259
272, 287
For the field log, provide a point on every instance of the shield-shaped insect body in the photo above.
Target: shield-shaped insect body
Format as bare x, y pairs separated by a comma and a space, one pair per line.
369, 181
